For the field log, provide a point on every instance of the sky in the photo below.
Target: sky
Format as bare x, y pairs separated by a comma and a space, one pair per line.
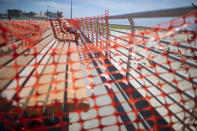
84, 8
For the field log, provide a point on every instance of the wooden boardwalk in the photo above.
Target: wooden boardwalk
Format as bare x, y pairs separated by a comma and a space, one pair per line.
39, 85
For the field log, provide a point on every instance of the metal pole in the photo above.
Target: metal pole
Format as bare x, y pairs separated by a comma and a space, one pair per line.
71, 9
132, 25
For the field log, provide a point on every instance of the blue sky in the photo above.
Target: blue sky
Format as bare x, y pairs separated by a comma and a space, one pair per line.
83, 8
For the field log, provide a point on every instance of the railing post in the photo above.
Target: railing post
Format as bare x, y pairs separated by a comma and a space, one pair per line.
129, 54
132, 25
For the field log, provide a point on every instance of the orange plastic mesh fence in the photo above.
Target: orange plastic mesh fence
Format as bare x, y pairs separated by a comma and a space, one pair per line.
76, 74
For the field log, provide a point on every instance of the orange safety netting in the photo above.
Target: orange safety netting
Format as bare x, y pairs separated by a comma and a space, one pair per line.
76, 74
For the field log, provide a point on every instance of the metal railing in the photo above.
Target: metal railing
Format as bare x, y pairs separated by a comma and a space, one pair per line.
174, 12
